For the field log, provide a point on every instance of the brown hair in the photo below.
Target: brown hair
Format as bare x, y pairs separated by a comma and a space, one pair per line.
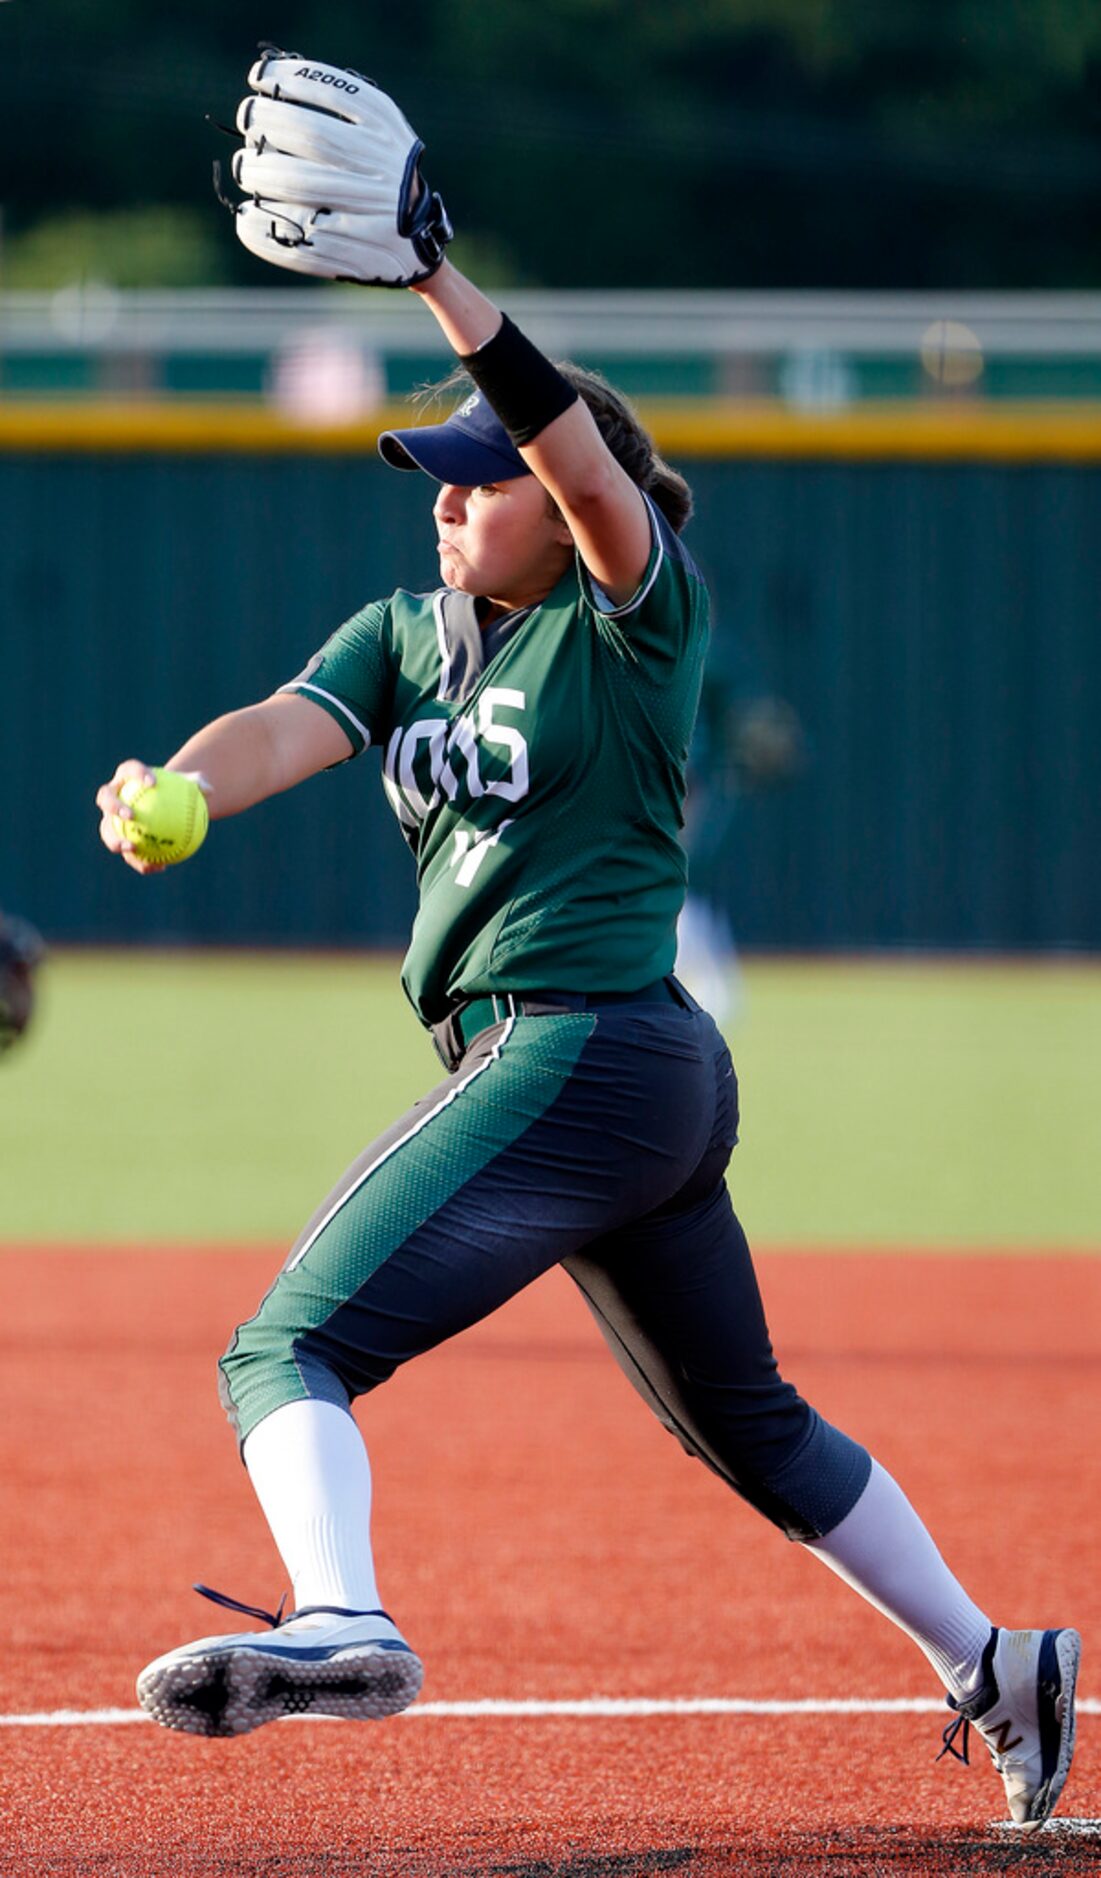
631, 444
627, 439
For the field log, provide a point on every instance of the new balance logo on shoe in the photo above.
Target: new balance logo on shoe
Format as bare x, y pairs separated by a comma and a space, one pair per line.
1028, 1680
996, 1737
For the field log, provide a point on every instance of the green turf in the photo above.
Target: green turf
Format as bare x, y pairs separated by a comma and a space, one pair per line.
212, 1096
921, 1104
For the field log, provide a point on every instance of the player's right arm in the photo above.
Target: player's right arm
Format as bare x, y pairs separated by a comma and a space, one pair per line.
603, 509
238, 760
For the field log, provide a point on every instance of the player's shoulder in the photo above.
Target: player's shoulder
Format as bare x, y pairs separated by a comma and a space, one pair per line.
406, 599
671, 588
396, 621
399, 604
672, 546
408, 611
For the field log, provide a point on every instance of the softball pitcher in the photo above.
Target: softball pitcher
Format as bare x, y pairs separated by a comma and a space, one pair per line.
532, 716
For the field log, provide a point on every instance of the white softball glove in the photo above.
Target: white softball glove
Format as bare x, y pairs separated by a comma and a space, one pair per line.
331, 170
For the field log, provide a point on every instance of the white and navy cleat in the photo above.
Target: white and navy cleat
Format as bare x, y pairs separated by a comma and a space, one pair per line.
321, 1660
1024, 1713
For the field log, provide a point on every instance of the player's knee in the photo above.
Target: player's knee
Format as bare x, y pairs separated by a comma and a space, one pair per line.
776, 1451
808, 1491
266, 1367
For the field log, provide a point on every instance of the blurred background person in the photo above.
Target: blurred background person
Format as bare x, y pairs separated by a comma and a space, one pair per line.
21, 951
747, 740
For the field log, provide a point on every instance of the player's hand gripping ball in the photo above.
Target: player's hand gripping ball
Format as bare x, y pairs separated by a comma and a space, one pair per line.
167, 822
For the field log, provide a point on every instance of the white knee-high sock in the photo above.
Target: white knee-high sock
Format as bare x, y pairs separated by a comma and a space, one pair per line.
883, 1551
312, 1477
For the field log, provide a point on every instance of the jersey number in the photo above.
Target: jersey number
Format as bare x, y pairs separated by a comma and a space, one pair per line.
423, 764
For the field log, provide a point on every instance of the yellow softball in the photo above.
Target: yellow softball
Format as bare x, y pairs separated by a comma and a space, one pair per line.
169, 821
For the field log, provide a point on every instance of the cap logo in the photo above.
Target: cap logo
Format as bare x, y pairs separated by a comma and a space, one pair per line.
471, 404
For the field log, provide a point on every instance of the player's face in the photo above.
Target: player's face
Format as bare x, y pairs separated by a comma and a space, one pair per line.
502, 540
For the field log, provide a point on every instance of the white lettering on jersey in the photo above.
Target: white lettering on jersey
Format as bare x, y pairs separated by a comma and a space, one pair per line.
414, 776
470, 851
516, 784
430, 730
462, 738
390, 783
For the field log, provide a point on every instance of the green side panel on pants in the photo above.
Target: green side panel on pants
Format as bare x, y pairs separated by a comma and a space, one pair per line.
391, 1190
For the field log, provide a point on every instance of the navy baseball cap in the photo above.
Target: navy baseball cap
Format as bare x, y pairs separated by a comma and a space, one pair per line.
471, 448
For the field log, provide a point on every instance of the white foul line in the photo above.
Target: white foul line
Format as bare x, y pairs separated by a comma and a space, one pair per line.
595, 1708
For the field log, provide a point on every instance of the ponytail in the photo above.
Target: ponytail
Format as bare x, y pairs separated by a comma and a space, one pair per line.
631, 445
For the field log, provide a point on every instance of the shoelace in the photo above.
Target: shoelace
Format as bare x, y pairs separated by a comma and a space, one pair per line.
248, 1610
977, 1703
276, 1618
961, 1753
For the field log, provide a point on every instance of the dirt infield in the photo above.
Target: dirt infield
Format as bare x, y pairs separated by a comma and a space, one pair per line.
540, 1540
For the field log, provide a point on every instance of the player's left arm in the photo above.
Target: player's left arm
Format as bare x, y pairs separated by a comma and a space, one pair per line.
604, 510
332, 174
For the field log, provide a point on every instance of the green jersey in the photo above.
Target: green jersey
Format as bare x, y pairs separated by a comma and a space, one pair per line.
536, 767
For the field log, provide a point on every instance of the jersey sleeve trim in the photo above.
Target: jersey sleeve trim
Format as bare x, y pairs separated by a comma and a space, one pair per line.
337, 708
599, 598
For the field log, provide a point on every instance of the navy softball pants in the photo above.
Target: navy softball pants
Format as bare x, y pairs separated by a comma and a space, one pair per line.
597, 1140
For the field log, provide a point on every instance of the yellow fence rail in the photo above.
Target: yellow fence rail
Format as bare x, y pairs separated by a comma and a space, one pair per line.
1000, 433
